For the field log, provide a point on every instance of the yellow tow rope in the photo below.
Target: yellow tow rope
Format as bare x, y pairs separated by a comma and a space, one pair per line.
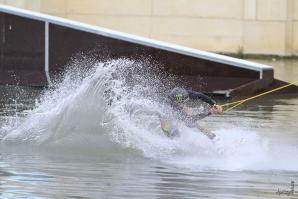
238, 103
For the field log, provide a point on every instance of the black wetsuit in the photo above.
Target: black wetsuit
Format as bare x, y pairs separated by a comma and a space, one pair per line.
200, 96
178, 113
189, 120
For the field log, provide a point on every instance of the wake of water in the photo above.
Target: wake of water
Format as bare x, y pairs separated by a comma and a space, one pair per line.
117, 103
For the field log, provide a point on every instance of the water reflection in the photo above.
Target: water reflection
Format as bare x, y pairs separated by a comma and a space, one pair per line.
58, 178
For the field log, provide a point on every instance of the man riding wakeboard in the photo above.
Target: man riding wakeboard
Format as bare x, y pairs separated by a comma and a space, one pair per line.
177, 99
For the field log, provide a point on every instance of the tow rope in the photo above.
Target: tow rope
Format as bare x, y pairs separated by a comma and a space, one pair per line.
238, 103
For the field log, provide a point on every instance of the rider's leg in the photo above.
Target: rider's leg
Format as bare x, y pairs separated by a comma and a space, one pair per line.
169, 129
205, 131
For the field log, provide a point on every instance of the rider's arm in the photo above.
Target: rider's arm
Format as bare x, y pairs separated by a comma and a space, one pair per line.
201, 96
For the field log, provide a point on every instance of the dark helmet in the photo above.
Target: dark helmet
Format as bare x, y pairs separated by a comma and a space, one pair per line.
179, 95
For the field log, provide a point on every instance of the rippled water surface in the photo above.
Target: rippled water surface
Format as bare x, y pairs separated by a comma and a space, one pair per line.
66, 143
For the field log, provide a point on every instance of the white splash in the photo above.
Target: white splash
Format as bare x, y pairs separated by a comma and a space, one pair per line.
117, 103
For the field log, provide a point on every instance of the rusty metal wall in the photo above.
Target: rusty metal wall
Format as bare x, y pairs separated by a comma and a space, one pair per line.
22, 50
24, 61
1, 41
66, 43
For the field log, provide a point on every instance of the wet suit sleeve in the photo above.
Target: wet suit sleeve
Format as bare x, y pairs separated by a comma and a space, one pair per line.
201, 96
